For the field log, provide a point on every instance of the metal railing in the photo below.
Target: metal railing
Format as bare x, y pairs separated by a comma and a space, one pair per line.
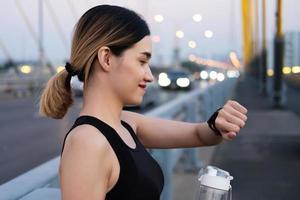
195, 106
20, 85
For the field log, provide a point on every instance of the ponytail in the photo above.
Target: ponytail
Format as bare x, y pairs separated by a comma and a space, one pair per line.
57, 96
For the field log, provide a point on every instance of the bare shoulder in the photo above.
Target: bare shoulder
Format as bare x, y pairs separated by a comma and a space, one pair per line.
86, 144
87, 138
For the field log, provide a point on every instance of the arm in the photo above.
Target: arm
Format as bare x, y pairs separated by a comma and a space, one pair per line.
161, 133
85, 165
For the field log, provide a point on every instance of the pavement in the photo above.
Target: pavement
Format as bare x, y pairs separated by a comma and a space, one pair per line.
265, 157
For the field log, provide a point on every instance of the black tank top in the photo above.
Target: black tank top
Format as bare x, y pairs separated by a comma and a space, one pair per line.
140, 175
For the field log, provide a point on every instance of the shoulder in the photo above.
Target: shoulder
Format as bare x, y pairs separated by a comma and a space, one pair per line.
87, 144
87, 138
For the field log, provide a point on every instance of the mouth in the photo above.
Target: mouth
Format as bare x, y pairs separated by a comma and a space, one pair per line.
142, 86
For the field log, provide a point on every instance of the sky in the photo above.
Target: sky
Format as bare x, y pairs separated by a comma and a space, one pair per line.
223, 17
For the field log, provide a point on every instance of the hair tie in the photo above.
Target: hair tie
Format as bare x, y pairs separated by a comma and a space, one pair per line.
69, 69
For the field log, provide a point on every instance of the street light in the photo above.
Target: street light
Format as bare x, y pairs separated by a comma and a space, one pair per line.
159, 18
270, 72
179, 34
192, 44
296, 69
197, 17
286, 70
208, 34
25, 69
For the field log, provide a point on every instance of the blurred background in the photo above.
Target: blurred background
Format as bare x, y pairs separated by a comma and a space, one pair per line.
196, 45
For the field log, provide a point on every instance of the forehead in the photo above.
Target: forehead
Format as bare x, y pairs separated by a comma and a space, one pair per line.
144, 45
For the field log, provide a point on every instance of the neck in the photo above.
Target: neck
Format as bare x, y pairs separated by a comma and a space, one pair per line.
101, 102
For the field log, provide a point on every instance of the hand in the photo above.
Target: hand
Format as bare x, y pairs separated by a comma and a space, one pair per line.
231, 119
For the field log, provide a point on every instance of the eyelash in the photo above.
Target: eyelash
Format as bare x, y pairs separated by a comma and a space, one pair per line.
143, 62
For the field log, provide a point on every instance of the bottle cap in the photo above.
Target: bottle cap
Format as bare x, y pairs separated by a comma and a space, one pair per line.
214, 177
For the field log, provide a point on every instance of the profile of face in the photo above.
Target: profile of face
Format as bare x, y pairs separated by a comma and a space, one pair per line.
131, 72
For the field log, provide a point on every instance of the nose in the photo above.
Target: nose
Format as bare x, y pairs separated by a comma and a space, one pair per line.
148, 75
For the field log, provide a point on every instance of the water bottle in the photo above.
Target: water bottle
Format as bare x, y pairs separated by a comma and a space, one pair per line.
214, 184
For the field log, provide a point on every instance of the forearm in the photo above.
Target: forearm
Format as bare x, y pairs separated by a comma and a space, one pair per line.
206, 135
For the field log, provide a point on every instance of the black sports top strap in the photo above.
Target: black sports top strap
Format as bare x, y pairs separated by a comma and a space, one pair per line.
106, 130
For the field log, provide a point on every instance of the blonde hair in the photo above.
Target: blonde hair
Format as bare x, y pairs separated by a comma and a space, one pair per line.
105, 25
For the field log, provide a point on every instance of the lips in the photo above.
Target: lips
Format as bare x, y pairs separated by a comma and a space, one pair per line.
142, 86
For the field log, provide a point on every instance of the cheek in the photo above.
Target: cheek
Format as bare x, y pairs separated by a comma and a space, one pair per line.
127, 76
125, 82
131, 72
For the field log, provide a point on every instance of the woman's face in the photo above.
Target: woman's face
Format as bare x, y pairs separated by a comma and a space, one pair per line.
132, 72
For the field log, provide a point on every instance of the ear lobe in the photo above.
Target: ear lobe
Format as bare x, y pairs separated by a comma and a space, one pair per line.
104, 58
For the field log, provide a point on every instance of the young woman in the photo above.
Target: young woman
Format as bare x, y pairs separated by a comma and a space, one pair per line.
104, 154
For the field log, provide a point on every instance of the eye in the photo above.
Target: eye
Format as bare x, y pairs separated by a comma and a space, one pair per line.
143, 62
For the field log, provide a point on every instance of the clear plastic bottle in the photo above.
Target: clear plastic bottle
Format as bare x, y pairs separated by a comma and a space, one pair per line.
214, 184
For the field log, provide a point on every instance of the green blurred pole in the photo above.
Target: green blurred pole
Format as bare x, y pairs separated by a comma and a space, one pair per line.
263, 88
278, 58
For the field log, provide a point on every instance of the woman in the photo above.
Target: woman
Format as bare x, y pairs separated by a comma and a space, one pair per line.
104, 154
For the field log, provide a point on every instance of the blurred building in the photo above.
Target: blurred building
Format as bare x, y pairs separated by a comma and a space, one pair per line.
292, 48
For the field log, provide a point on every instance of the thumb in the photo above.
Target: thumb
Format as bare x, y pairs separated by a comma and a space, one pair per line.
229, 135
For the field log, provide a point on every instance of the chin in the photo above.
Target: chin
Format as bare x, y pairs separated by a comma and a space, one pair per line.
135, 102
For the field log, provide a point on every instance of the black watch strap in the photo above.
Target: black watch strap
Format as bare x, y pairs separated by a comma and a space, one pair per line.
212, 122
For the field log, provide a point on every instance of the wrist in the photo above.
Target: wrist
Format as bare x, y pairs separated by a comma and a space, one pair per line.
211, 122
206, 135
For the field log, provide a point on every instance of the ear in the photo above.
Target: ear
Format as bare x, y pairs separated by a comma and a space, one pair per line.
104, 58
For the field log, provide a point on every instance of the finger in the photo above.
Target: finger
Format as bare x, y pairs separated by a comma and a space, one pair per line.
235, 113
231, 118
226, 126
229, 108
229, 135
238, 106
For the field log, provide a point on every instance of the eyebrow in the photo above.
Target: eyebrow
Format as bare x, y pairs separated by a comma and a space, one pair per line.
147, 54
